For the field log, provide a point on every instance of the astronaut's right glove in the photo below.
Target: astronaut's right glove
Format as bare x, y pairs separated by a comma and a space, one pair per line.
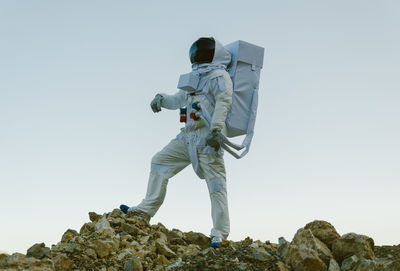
214, 139
156, 103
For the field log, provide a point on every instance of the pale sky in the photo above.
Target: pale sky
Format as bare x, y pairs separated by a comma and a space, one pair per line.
77, 133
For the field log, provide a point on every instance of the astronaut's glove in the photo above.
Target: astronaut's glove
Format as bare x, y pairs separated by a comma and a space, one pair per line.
214, 139
156, 103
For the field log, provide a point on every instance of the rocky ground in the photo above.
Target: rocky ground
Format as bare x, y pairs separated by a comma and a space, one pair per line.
114, 241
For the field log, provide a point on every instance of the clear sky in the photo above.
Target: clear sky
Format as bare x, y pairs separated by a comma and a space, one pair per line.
77, 133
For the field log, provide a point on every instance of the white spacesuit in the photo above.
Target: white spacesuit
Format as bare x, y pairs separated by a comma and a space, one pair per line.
198, 143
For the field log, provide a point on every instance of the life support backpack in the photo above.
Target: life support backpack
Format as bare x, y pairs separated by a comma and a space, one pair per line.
244, 70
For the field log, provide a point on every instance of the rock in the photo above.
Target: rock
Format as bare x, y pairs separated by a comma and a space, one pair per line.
38, 251
367, 265
349, 263
68, 235
161, 260
69, 248
3, 256
178, 241
324, 231
103, 227
164, 250
304, 239
197, 239
87, 228
91, 253
94, 217
103, 248
283, 245
393, 266
260, 254
282, 267
130, 229
353, 244
116, 213
192, 250
63, 263
115, 241
133, 264
126, 253
333, 265
304, 259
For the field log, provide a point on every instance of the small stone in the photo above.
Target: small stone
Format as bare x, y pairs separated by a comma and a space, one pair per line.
197, 239
333, 265
63, 263
103, 248
161, 260
282, 246
192, 250
133, 264
164, 250
116, 213
38, 251
243, 267
130, 229
349, 263
68, 235
124, 254
94, 217
178, 241
260, 254
87, 228
103, 227
282, 267
91, 253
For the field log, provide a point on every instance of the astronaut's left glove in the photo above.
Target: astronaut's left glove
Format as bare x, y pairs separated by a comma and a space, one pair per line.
156, 103
214, 139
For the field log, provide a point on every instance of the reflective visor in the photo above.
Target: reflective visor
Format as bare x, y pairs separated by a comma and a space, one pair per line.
202, 51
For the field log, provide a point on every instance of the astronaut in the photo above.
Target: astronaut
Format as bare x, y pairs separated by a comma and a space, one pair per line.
198, 143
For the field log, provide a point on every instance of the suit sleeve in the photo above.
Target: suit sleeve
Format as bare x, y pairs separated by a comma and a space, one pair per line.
221, 89
174, 101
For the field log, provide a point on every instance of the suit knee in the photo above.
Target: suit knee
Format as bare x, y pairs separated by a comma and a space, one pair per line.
216, 185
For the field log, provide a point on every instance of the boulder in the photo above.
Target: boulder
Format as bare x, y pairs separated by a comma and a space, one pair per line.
324, 231
38, 251
353, 244
304, 259
304, 239
197, 239
368, 265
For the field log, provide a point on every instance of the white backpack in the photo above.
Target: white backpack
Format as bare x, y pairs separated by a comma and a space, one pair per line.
244, 70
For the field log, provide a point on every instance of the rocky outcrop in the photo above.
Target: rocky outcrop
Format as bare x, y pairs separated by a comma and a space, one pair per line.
353, 244
115, 241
